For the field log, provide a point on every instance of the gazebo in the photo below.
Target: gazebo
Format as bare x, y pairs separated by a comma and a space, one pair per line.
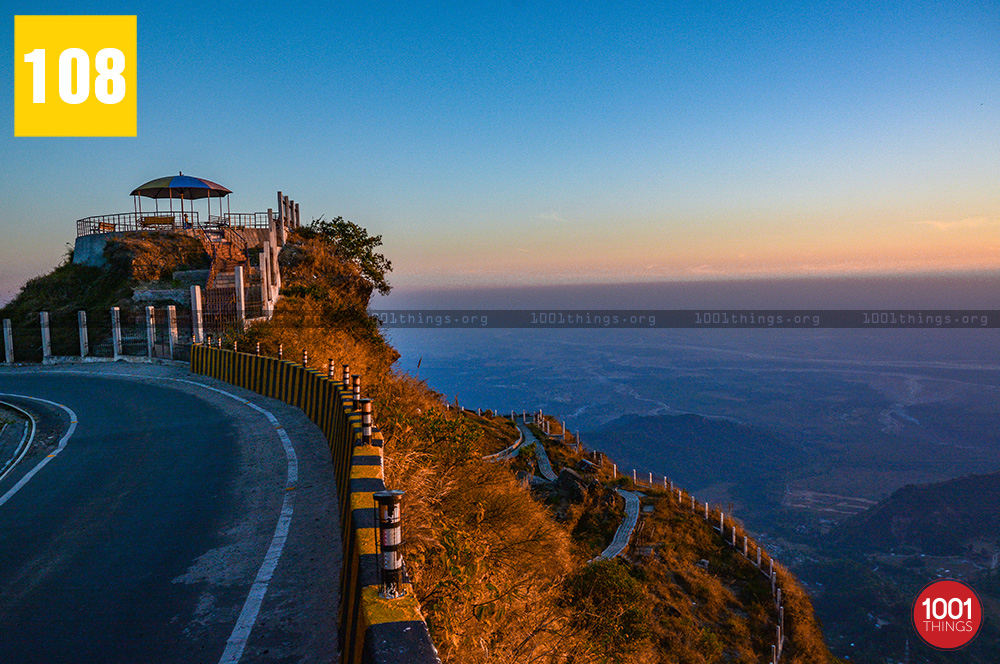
181, 187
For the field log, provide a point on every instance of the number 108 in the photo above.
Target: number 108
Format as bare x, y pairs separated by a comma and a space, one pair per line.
109, 86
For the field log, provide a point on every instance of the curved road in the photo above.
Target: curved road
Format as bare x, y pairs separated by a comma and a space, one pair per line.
165, 529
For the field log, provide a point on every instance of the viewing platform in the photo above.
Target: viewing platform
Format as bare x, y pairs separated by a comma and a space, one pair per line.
184, 190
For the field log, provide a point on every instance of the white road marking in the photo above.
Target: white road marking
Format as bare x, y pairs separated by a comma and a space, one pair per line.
23, 445
41, 464
237, 641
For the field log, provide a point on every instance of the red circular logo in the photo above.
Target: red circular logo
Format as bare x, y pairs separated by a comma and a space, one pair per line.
947, 614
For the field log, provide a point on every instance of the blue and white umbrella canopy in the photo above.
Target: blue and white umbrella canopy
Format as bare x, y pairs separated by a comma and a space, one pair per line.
181, 186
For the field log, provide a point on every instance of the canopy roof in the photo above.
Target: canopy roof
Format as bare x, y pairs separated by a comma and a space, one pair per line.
181, 186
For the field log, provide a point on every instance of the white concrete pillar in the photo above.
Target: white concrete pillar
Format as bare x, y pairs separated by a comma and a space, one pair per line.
150, 330
241, 292
264, 263
172, 329
81, 322
197, 322
282, 220
272, 225
8, 342
275, 273
43, 317
116, 332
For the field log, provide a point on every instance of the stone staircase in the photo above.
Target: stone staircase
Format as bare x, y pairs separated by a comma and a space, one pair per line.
227, 250
225, 277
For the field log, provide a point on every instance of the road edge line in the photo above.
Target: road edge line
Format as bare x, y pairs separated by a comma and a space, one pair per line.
22, 448
73, 420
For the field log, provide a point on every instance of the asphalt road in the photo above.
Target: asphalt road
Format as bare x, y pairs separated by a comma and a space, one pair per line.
141, 540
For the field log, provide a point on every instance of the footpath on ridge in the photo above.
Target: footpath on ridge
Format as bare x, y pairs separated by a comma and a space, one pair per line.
624, 533
544, 466
625, 529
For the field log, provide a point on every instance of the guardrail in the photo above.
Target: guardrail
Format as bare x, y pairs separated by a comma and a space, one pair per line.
373, 629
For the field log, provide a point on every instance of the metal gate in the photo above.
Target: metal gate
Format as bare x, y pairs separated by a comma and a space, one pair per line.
220, 310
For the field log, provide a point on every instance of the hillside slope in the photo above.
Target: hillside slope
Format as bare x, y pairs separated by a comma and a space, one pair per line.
501, 569
941, 518
702, 453
69, 288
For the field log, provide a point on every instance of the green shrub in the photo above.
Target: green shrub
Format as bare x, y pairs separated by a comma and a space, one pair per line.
610, 603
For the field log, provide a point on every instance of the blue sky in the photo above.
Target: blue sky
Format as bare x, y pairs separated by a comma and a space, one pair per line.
513, 142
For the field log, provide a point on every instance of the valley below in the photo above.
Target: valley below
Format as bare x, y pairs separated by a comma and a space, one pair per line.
804, 435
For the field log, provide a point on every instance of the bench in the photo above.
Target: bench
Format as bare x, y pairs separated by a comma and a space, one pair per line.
147, 222
105, 227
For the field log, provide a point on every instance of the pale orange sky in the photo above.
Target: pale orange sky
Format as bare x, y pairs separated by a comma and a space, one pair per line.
554, 253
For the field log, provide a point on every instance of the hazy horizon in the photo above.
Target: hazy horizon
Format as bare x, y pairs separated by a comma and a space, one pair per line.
975, 290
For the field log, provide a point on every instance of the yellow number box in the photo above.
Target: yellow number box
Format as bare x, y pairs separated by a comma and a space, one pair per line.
74, 75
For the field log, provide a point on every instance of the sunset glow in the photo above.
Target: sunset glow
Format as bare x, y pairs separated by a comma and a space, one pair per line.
573, 143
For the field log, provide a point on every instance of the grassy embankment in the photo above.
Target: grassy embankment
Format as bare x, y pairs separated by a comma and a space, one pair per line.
69, 288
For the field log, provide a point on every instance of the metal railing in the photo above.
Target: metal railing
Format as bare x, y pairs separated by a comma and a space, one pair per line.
151, 221
240, 220
133, 221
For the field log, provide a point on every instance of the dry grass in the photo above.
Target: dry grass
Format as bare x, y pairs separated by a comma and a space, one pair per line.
155, 256
497, 569
486, 559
